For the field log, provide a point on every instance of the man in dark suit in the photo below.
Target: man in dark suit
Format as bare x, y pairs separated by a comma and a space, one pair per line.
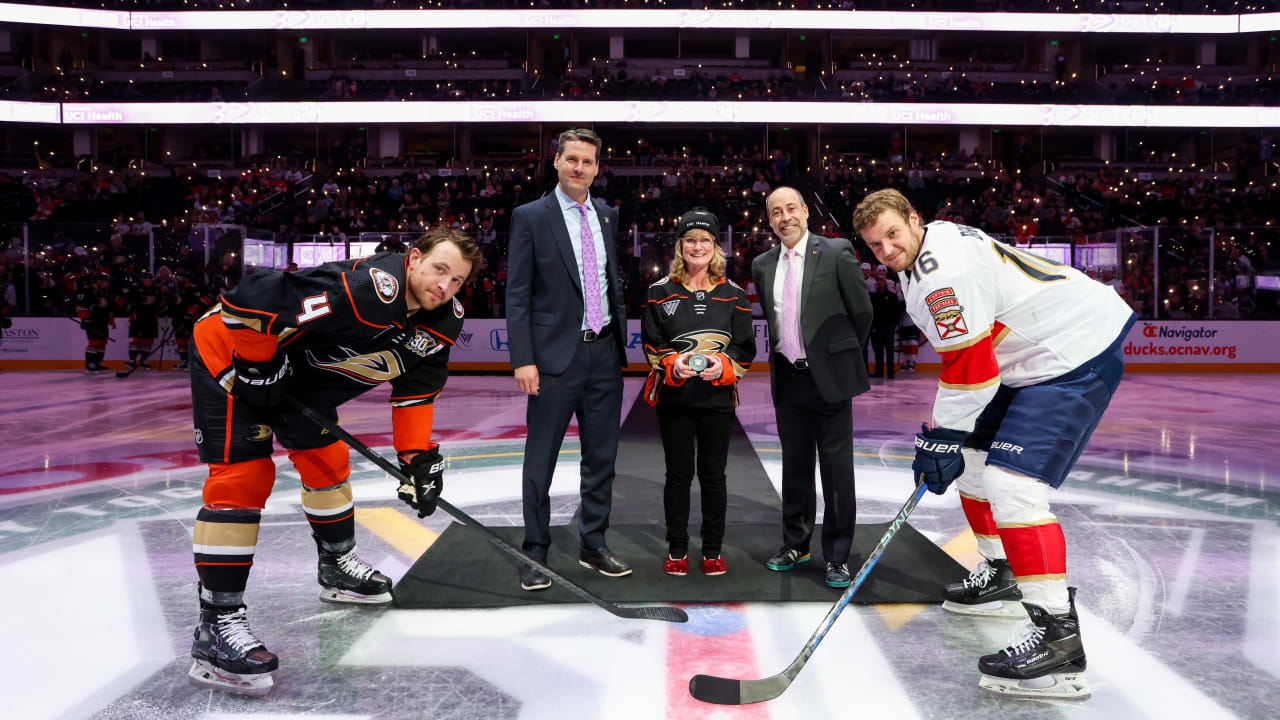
819, 312
566, 324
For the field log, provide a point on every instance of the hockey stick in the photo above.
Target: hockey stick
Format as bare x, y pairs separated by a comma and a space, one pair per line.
727, 691
143, 358
647, 612
85, 328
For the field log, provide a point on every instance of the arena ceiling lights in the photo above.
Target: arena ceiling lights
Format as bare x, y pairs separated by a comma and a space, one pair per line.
629, 18
630, 111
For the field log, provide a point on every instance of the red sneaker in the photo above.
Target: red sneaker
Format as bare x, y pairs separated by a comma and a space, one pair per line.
675, 566
714, 566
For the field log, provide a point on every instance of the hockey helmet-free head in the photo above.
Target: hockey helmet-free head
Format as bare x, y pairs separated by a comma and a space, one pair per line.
699, 218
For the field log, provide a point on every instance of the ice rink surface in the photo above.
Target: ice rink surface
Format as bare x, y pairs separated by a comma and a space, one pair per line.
1171, 520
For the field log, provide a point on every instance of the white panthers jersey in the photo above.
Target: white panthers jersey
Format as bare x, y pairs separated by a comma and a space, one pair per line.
998, 314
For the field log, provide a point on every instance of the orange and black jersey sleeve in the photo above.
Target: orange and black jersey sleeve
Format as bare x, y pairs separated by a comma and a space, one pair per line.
677, 320
345, 327
338, 299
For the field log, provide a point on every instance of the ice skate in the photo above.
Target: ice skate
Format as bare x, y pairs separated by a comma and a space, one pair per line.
346, 580
1045, 659
228, 656
990, 591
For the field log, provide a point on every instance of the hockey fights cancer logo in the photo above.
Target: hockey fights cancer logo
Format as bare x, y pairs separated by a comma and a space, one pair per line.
947, 312
384, 283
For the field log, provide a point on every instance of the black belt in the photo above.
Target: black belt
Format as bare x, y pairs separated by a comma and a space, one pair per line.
592, 335
801, 364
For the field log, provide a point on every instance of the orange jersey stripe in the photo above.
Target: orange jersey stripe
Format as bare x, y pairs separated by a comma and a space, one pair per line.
433, 332
974, 365
325, 522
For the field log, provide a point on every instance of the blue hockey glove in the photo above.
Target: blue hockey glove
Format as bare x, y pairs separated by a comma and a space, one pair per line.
938, 459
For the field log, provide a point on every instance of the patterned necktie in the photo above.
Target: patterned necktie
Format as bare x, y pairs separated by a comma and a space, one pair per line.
791, 347
590, 274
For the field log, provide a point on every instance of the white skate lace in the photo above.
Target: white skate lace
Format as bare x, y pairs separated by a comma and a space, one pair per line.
354, 566
980, 576
234, 628
1024, 637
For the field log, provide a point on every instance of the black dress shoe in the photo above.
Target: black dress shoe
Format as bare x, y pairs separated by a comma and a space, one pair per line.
531, 578
603, 561
786, 558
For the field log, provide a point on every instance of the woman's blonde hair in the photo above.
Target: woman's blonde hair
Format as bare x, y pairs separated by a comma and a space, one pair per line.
715, 269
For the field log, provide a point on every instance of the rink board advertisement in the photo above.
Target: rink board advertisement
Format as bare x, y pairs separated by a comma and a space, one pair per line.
1151, 346
1191, 346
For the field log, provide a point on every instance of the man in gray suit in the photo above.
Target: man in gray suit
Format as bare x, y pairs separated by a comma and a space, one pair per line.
819, 314
566, 324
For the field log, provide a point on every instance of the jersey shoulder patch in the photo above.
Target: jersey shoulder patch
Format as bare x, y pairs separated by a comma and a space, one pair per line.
385, 285
457, 308
661, 281
735, 285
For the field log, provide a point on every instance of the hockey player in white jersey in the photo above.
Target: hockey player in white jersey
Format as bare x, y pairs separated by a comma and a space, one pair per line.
1030, 359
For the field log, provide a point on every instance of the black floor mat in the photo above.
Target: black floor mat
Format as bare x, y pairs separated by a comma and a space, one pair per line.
462, 570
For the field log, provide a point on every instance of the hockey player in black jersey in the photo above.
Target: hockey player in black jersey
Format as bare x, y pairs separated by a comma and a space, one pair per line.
93, 309
145, 308
699, 342
190, 303
323, 335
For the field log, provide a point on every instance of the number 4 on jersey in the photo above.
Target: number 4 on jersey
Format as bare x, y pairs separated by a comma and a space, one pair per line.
314, 307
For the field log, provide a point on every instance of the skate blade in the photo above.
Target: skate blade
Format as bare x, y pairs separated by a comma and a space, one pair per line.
1062, 686
205, 676
994, 609
335, 596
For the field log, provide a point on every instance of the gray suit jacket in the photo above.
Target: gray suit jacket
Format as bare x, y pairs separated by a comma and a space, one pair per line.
835, 314
544, 290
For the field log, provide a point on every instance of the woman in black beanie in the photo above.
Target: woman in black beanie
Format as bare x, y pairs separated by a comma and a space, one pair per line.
698, 340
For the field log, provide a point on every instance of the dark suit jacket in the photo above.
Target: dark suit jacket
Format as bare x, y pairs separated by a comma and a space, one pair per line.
835, 314
544, 289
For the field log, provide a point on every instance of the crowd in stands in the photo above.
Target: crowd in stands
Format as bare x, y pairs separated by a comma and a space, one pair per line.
79, 221
854, 86
1080, 6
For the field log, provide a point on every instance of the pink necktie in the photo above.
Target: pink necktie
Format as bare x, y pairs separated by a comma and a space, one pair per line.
791, 347
590, 274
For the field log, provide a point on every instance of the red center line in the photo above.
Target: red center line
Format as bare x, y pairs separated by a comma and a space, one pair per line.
724, 648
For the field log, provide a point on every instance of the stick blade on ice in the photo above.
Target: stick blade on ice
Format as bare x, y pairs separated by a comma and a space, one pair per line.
727, 691
659, 612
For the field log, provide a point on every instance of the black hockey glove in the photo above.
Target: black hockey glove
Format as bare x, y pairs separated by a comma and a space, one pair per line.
261, 384
938, 457
426, 470
5, 322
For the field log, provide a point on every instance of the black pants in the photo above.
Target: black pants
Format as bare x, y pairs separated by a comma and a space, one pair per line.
591, 388
689, 433
883, 347
809, 426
